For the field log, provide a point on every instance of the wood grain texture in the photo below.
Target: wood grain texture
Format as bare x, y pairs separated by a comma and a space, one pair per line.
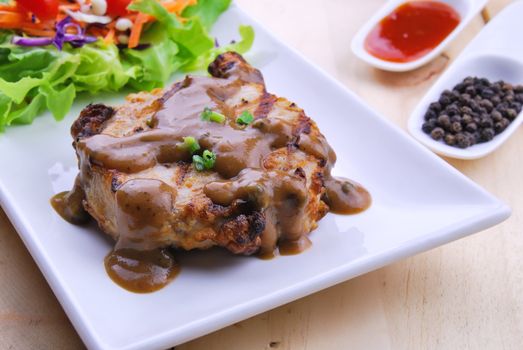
464, 295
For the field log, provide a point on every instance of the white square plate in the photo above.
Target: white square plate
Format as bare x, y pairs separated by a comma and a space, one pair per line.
420, 202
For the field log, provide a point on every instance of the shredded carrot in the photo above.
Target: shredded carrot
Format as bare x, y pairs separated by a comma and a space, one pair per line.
39, 32
11, 19
136, 31
177, 6
7, 7
109, 37
72, 7
98, 32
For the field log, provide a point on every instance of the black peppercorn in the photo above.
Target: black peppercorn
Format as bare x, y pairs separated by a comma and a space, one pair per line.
450, 139
465, 99
444, 100
466, 119
430, 115
456, 127
487, 134
455, 118
444, 121
477, 136
516, 106
495, 100
486, 122
455, 96
462, 140
487, 105
469, 80
471, 90
471, 127
465, 110
503, 124
473, 104
428, 126
435, 106
452, 109
487, 93
471, 138
474, 111
502, 106
511, 114
496, 115
437, 133
460, 88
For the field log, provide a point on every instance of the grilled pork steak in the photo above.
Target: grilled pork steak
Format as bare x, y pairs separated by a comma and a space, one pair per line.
266, 187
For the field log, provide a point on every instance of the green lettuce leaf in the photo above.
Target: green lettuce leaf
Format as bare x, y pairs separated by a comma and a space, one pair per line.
155, 64
100, 69
5, 108
18, 90
241, 46
207, 11
25, 112
192, 37
58, 99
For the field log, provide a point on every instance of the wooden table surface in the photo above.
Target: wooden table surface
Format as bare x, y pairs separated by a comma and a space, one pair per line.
464, 295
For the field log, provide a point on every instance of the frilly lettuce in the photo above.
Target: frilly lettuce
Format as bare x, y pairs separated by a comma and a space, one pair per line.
35, 79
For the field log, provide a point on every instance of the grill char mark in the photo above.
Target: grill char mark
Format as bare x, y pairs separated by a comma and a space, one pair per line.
267, 101
91, 121
232, 64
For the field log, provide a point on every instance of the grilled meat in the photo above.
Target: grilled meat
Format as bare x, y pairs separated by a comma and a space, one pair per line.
267, 185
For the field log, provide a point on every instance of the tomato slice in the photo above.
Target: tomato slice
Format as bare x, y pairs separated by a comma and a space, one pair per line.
43, 9
117, 7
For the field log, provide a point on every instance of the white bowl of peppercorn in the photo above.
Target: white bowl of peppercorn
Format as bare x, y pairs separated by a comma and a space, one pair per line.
472, 109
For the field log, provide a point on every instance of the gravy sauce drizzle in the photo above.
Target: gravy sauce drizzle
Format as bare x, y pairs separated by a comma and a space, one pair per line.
138, 262
69, 204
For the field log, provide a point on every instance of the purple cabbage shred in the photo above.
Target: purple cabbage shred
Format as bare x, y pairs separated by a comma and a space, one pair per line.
75, 40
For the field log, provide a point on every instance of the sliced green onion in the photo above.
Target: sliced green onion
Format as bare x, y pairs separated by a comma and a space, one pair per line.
209, 158
198, 162
245, 118
217, 117
191, 144
209, 115
205, 161
206, 114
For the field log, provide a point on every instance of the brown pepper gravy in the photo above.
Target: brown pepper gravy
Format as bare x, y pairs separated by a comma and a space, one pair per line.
69, 205
344, 196
141, 271
143, 206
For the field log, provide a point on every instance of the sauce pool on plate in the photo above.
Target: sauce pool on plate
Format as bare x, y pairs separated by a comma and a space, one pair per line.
411, 31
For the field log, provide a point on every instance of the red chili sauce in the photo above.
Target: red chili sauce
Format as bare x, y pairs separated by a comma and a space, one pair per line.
411, 31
